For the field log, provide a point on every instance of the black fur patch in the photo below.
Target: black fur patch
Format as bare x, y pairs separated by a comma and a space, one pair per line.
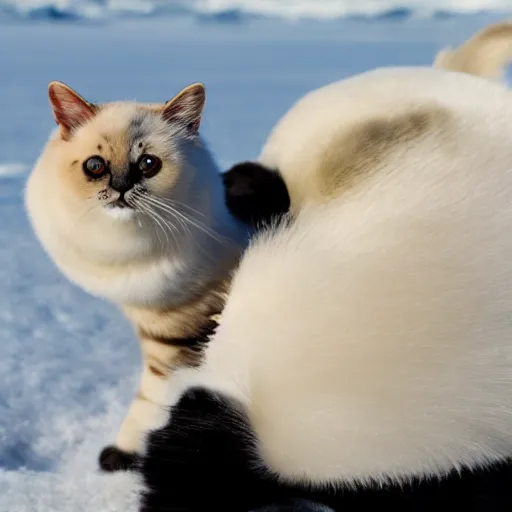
204, 460
255, 194
113, 459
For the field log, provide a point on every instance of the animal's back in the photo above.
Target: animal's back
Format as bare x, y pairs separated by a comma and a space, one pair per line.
370, 113
385, 334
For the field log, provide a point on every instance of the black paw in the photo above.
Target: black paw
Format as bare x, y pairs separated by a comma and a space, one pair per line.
113, 459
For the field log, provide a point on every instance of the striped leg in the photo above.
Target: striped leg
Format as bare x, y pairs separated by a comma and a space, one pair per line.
146, 409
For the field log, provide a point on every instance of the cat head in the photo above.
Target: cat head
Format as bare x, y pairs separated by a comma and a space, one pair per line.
115, 154
118, 167
127, 183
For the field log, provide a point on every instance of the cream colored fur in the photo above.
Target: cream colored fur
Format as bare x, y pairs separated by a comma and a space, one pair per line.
372, 339
484, 54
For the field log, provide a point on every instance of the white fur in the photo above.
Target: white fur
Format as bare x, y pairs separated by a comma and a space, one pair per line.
299, 139
373, 338
121, 214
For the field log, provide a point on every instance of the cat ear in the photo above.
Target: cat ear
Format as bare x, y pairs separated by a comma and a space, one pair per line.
186, 108
70, 110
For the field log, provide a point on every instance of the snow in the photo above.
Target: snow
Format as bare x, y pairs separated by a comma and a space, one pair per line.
236, 9
69, 362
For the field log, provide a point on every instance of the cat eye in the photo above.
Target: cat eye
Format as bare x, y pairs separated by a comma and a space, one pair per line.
95, 167
149, 165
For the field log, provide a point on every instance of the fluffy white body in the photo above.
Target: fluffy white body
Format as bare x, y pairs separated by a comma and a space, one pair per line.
372, 338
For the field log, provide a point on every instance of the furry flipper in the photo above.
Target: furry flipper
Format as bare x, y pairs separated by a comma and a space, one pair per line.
486, 54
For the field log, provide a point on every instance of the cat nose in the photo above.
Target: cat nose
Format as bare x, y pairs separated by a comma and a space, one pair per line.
124, 181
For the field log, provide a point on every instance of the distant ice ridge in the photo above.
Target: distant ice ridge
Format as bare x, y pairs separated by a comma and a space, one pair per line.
331, 9
234, 10
8, 169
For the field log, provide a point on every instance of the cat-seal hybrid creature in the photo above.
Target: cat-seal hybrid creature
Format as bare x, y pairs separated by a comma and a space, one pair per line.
115, 250
129, 203
364, 356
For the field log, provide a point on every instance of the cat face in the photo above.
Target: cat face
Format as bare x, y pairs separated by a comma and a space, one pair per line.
122, 180
126, 193
120, 157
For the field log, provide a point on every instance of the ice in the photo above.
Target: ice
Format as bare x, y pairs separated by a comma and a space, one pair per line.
233, 10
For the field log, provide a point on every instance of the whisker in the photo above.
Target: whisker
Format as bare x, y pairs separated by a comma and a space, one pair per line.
145, 209
161, 220
172, 212
188, 233
159, 225
183, 205
194, 222
175, 217
170, 228
184, 221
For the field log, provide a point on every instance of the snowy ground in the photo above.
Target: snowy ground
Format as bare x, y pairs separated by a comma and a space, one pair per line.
69, 362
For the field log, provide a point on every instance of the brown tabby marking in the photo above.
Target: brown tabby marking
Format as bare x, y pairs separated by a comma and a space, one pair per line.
155, 371
358, 153
175, 336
